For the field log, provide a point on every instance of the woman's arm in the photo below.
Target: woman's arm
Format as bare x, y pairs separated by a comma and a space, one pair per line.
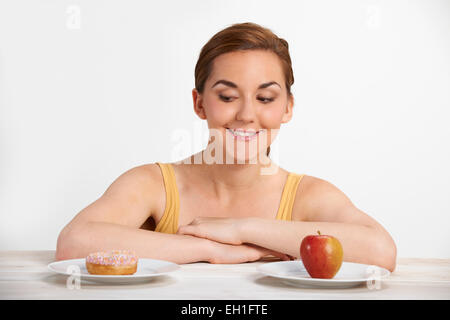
323, 207
113, 222
362, 244
103, 236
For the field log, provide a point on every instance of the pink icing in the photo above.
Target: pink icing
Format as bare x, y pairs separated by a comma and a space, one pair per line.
114, 258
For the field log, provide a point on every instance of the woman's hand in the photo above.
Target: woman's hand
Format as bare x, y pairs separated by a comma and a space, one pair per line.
229, 254
226, 245
224, 230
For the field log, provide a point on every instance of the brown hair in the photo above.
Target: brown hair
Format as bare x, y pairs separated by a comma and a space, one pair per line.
242, 36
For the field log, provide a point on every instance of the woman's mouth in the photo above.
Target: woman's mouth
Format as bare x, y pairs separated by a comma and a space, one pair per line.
243, 135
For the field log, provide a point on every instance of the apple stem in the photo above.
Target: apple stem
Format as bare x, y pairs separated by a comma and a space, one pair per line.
318, 232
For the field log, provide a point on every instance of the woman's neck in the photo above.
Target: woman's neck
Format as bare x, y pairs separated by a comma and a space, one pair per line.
229, 182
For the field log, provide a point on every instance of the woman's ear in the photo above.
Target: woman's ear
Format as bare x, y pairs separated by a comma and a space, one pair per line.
198, 104
287, 116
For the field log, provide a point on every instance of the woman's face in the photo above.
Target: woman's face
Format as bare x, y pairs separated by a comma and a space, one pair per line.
246, 92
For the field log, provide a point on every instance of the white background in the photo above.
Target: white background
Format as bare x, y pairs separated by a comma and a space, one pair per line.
90, 89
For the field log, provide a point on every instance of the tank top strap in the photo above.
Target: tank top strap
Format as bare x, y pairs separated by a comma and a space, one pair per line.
288, 196
169, 220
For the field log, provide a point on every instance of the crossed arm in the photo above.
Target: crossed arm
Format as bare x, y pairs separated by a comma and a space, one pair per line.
113, 222
329, 210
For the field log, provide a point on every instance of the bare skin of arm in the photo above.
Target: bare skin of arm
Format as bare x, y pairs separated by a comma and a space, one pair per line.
113, 222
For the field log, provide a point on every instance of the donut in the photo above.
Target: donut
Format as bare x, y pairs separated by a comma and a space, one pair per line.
115, 262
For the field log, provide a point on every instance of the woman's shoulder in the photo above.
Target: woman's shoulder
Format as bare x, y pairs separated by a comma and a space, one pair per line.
318, 186
149, 180
311, 182
147, 173
315, 194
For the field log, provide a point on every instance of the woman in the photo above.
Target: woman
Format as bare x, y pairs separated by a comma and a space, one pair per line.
228, 212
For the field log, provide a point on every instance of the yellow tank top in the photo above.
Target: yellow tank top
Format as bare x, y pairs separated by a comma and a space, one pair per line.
169, 220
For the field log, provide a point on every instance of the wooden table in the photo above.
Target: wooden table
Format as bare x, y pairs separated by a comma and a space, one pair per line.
24, 275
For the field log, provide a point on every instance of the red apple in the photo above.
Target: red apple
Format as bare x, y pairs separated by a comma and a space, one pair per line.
321, 255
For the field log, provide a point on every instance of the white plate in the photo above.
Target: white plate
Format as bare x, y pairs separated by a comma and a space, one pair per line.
146, 270
349, 275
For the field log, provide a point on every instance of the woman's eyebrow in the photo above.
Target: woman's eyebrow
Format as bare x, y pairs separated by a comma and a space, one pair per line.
233, 85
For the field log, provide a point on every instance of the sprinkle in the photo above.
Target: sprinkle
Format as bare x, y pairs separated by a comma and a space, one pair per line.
113, 257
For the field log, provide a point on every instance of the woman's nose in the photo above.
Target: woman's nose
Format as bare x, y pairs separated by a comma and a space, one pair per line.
246, 112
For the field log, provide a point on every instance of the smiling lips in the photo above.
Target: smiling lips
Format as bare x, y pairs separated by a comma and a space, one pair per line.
243, 135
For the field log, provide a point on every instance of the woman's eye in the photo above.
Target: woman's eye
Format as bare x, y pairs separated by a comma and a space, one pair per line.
266, 100
224, 98
262, 99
